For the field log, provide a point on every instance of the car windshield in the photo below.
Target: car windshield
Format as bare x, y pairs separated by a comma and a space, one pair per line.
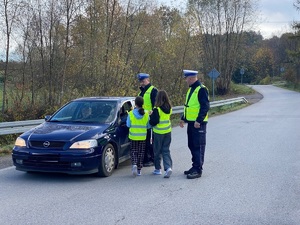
87, 112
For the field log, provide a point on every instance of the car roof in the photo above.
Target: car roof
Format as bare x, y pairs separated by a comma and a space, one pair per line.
103, 98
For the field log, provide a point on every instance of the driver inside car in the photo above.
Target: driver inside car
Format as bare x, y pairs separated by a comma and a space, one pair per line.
86, 112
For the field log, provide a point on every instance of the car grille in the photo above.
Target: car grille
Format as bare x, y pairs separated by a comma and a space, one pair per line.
45, 161
51, 144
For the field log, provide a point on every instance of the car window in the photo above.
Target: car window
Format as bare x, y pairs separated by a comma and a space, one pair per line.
87, 112
126, 107
65, 113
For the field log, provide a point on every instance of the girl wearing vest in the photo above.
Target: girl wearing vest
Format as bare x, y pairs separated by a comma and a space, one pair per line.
160, 121
138, 123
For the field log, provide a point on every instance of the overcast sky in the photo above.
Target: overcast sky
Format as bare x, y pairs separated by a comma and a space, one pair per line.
276, 17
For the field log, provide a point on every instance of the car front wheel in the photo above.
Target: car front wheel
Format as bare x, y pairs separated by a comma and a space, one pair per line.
108, 160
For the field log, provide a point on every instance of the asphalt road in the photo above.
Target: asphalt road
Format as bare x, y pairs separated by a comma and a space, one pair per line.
251, 176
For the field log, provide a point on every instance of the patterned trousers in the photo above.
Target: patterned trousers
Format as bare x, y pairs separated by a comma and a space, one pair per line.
137, 153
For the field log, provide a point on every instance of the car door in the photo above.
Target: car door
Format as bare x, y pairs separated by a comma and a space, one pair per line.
123, 130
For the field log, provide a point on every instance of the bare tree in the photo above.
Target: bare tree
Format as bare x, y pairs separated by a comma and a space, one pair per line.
10, 12
222, 23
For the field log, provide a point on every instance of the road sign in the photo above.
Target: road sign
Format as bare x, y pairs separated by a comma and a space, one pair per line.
213, 74
242, 71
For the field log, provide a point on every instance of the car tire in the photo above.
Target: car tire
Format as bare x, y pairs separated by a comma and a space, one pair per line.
108, 161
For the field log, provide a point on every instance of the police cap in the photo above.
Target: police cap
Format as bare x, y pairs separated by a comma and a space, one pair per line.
188, 73
142, 76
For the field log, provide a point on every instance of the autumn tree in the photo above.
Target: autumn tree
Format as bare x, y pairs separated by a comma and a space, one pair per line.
222, 23
9, 15
295, 53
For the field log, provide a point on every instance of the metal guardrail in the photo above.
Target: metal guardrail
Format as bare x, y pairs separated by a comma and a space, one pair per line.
179, 109
18, 126
22, 126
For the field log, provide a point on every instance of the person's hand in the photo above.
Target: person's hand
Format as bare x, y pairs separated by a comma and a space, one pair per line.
181, 123
150, 112
196, 124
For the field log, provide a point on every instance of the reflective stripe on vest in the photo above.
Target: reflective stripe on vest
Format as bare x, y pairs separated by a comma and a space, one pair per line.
147, 99
164, 125
192, 105
138, 128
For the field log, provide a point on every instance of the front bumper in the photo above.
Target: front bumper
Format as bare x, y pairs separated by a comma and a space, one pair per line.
73, 162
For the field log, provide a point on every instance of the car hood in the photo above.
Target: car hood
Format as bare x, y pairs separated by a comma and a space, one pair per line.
66, 131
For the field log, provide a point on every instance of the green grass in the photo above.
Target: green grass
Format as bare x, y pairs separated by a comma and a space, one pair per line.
7, 143
6, 150
289, 86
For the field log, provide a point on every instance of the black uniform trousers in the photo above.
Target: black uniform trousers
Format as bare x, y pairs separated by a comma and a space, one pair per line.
149, 154
196, 144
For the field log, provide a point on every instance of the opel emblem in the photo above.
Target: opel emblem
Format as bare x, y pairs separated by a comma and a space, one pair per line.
46, 144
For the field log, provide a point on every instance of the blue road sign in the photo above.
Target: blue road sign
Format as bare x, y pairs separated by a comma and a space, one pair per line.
242, 71
213, 74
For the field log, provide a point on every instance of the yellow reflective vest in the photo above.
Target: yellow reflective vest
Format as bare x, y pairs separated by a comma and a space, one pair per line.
192, 105
164, 125
138, 127
147, 99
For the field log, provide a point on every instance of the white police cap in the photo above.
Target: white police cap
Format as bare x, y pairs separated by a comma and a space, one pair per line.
142, 76
190, 73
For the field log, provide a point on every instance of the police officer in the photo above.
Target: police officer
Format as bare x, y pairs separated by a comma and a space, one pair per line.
148, 92
195, 115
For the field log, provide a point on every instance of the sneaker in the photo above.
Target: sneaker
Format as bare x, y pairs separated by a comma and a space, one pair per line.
156, 172
139, 173
134, 170
168, 173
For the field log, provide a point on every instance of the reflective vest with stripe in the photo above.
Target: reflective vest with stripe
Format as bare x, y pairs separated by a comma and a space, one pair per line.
138, 127
164, 125
147, 99
192, 105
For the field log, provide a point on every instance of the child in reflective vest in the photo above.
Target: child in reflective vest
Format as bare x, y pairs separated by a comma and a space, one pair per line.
160, 120
138, 123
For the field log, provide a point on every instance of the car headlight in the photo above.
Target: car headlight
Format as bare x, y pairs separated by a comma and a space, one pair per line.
84, 144
20, 142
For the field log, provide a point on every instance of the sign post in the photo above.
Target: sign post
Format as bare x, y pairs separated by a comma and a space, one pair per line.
213, 74
242, 71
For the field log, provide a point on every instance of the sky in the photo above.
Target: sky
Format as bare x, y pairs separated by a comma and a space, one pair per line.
276, 17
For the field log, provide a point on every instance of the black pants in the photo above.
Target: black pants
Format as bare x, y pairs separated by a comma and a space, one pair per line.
149, 155
196, 144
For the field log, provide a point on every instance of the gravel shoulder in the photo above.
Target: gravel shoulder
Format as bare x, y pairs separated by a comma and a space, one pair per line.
6, 161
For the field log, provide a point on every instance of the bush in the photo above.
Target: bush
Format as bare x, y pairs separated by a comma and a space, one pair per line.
266, 80
290, 76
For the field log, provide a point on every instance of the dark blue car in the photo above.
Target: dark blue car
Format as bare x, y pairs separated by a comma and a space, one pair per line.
85, 136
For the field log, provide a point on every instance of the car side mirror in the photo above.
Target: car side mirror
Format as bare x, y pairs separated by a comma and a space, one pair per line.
47, 117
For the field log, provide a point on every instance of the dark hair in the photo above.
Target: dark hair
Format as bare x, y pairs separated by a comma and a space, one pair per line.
162, 99
139, 102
